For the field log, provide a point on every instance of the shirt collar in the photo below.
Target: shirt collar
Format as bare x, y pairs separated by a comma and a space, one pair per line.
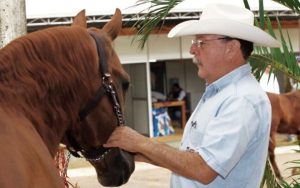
227, 79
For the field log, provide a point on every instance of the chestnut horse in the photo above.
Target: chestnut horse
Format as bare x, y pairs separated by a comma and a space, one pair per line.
285, 119
61, 85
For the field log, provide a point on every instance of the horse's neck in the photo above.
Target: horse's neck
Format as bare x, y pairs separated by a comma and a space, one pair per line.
40, 132
50, 137
22, 147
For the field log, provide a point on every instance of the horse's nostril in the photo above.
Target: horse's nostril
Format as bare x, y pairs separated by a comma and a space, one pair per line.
114, 181
114, 176
115, 168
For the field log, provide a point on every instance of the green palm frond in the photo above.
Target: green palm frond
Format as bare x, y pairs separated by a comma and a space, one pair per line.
159, 9
293, 184
295, 162
292, 4
261, 13
269, 179
283, 61
156, 13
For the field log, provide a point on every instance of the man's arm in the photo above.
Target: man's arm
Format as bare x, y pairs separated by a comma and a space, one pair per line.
184, 163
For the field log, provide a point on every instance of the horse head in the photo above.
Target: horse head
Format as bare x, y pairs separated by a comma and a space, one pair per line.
101, 112
63, 85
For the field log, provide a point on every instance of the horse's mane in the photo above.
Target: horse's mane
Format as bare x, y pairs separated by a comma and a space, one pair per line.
42, 73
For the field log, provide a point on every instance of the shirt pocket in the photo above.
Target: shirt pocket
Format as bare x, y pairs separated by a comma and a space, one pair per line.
195, 138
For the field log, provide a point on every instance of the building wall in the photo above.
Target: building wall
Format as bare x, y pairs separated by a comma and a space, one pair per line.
294, 35
136, 108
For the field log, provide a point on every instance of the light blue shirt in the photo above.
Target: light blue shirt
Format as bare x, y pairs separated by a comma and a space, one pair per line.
230, 129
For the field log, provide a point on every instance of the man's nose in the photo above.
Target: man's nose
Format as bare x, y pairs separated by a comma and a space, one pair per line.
193, 49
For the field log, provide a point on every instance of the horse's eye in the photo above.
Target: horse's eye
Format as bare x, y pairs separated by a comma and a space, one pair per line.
125, 86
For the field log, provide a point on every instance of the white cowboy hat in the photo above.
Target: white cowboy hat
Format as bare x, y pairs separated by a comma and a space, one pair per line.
227, 20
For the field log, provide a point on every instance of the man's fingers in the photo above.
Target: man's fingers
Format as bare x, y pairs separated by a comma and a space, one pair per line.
114, 138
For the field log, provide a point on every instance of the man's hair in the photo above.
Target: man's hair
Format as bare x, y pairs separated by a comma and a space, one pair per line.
246, 46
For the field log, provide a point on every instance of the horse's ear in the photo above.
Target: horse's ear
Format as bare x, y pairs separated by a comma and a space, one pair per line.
80, 19
114, 26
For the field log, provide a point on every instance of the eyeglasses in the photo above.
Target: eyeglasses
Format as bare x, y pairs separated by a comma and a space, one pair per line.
199, 43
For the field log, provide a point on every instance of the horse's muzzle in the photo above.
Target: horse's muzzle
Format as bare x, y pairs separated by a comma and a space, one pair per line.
115, 169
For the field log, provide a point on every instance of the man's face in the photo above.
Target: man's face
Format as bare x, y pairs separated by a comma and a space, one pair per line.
209, 56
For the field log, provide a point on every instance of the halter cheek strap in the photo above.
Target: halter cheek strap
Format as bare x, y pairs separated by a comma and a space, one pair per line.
107, 87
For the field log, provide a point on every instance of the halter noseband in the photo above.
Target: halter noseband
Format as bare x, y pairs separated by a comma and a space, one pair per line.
106, 88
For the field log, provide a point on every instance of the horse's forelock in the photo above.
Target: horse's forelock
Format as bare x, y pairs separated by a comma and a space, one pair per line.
47, 68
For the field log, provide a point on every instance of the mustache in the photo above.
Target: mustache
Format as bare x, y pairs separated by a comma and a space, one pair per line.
196, 61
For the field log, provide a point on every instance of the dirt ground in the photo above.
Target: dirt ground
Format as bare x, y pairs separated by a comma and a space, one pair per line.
145, 176
149, 176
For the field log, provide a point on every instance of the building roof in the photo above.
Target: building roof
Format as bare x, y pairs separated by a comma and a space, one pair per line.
60, 12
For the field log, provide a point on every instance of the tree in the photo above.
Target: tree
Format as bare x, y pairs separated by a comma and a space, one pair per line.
12, 20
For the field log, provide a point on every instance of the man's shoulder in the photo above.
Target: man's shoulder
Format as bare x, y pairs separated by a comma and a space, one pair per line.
248, 89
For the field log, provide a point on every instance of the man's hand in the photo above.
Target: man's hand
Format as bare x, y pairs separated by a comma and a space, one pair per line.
127, 139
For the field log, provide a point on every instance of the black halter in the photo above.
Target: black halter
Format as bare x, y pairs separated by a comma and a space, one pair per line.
107, 88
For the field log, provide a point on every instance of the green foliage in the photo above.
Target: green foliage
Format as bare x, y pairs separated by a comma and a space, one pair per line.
269, 179
295, 183
280, 60
292, 4
156, 13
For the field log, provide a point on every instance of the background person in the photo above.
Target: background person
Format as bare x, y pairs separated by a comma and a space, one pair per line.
176, 94
225, 141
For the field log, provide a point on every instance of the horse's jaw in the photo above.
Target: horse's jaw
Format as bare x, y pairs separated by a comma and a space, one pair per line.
115, 169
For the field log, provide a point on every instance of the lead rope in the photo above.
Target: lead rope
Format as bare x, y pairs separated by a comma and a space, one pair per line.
62, 159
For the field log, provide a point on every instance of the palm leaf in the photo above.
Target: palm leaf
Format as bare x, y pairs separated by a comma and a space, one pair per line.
283, 61
269, 179
292, 4
159, 9
261, 14
156, 13
293, 184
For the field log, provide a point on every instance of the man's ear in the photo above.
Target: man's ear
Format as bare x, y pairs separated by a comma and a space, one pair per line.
233, 47
80, 19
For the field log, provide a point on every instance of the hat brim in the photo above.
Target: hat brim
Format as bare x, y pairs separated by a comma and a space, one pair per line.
226, 27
